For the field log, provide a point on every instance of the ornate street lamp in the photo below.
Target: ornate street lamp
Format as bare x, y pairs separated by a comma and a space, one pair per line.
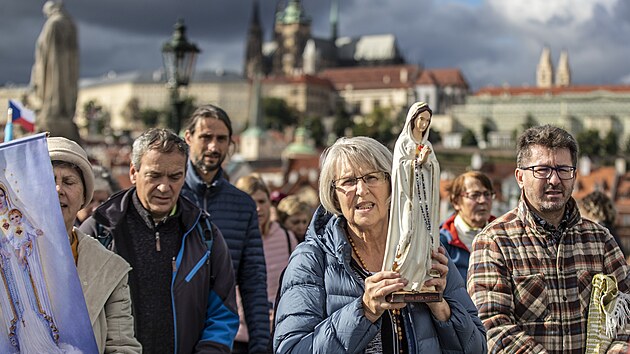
178, 57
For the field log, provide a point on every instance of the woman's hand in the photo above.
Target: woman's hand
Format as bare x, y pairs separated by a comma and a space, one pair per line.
441, 310
377, 287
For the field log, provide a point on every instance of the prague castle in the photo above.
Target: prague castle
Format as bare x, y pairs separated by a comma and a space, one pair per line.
497, 114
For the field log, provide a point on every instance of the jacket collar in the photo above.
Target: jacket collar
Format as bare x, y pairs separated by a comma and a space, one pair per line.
112, 212
571, 216
329, 231
197, 184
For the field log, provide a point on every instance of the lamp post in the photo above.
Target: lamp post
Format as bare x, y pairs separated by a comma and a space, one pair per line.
178, 57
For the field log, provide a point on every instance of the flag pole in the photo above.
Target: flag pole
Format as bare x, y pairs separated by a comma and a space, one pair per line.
8, 129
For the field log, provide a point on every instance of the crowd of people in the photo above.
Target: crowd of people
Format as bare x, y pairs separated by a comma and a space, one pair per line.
185, 261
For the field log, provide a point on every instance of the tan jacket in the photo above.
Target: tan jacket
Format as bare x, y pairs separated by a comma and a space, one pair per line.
103, 275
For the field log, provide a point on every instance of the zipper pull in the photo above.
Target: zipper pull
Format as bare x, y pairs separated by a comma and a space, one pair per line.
157, 241
174, 264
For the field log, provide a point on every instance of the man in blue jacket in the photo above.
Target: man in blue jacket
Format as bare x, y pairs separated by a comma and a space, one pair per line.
182, 284
209, 135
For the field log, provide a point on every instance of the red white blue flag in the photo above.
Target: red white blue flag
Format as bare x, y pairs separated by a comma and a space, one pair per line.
22, 116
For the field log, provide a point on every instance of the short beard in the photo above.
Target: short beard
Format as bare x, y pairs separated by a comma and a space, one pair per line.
204, 168
207, 168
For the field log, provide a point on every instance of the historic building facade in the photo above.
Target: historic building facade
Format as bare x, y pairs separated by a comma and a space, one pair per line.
497, 114
294, 50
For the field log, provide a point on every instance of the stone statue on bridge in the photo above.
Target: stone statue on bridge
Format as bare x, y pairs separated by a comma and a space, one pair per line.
55, 74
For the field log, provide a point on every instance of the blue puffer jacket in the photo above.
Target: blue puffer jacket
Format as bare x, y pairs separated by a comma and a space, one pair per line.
234, 213
320, 308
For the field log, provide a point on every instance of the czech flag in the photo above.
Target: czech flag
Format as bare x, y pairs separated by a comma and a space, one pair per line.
22, 116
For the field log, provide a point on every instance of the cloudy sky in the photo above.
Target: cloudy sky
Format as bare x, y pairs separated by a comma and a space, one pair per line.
494, 42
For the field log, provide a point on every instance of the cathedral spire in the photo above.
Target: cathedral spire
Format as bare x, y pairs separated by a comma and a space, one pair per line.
334, 20
544, 72
253, 51
563, 72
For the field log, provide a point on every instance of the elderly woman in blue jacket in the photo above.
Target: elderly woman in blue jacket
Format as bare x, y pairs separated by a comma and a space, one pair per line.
332, 296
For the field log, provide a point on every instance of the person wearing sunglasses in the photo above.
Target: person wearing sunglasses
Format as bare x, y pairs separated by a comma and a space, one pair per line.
471, 195
531, 270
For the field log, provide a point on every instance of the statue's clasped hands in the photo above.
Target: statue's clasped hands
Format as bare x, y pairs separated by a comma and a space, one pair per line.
423, 154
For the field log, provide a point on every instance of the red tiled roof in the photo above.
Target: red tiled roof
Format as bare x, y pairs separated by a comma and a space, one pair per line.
602, 178
426, 78
298, 79
442, 77
540, 91
372, 77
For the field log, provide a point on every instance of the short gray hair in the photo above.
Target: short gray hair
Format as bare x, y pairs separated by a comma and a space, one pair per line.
547, 136
360, 153
162, 140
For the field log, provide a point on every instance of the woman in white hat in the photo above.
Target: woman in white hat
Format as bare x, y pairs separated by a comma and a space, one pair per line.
103, 274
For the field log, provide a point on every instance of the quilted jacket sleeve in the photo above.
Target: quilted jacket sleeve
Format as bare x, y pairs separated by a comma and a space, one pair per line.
463, 332
302, 322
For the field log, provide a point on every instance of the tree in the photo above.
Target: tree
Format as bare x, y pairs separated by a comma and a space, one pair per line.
610, 144
376, 125
529, 122
469, 138
589, 142
151, 116
343, 120
316, 128
486, 128
96, 116
188, 108
277, 114
434, 136
131, 112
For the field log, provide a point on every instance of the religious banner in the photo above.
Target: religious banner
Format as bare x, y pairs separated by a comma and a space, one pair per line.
41, 301
415, 202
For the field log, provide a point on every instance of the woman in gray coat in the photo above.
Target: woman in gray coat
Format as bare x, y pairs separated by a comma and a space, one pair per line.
102, 273
332, 296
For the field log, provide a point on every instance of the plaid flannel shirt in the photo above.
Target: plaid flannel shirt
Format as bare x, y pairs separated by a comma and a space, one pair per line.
532, 282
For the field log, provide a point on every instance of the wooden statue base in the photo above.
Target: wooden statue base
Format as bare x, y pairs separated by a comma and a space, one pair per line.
411, 296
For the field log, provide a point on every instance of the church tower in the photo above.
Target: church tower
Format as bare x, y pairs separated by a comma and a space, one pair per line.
563, 72
544, 72
334, 20
292, 31
253, 51
254, 140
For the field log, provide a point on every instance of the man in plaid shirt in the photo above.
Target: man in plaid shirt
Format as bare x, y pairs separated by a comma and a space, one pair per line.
530, 270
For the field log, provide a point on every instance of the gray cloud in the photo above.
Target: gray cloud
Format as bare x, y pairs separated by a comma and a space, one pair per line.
484, 38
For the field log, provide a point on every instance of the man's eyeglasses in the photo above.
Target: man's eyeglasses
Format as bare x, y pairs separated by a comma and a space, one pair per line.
545, 172
371, 179
476, 196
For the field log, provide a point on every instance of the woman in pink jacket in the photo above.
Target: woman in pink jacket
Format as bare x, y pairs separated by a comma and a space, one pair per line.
278, 243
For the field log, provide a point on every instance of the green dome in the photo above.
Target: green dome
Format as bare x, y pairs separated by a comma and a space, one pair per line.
293, 14
300, 146
253, 131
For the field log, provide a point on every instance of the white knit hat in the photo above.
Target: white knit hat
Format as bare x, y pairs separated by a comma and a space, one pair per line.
62, 149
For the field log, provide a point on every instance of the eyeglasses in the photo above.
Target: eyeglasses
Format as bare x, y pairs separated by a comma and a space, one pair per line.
371, 179
545, 172
476, 196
